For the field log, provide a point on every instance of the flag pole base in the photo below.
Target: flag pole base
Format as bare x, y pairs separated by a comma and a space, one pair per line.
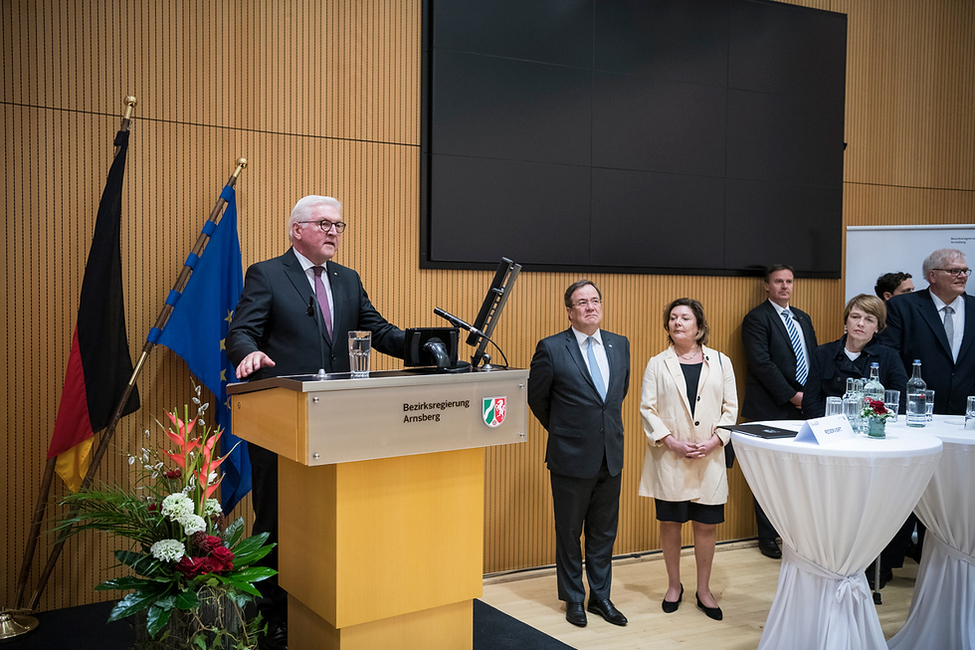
15, 625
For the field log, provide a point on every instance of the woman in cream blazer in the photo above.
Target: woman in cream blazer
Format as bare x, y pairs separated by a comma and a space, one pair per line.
684, 467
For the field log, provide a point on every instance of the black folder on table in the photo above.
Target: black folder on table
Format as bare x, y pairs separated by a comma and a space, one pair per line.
761, 430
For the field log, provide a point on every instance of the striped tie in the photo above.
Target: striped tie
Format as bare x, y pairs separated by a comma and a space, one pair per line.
801, 370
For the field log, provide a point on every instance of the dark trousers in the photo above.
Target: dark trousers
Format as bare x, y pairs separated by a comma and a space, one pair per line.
893, 554
766, 531
590, 505
273, 603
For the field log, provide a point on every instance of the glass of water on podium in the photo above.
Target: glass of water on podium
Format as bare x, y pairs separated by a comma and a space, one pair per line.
360, 351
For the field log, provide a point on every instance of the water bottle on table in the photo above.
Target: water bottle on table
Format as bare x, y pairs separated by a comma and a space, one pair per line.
917, 410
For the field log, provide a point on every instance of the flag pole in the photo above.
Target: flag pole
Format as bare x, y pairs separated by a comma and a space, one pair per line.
47, 479
150, 343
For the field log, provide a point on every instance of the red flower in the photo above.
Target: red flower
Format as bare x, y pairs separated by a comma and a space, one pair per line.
878, 407
190, 566
225, 556
206, 543
220, 559
153, 507
176, 473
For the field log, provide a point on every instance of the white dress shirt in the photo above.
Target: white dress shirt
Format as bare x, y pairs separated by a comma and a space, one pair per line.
598, 349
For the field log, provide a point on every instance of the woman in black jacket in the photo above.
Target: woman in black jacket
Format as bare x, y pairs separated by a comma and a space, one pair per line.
850, 356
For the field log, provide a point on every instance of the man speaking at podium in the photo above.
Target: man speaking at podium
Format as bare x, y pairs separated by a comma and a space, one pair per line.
576, 386
293, 318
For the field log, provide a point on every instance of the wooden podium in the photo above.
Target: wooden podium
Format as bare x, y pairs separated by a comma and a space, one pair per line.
381, 499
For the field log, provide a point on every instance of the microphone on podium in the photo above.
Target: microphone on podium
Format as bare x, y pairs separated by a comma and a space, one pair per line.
315, 312
456, 322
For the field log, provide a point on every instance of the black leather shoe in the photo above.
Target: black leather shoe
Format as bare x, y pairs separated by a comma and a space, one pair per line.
575, 613
276, 637
770, 549
712, 612
671, 607
607, 610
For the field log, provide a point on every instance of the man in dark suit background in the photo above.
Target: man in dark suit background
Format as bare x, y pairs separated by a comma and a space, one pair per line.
937, 326
576, 386
779, 341
294, 315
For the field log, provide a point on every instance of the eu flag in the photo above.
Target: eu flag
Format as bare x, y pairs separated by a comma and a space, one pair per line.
197, 332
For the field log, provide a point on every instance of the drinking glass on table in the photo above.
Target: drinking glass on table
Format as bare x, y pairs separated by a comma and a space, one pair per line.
892, 400
970, 413
929, 404
834, 406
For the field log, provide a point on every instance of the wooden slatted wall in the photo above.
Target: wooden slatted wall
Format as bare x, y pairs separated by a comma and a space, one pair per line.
323, 97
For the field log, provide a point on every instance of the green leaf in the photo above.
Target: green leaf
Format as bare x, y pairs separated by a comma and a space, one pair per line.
233, 533
245, 559
250, 544
187, 599
241, 599
166, 603
141, 563
157, 619
199, 642
134, 602
123, 584
252, 574
248, 588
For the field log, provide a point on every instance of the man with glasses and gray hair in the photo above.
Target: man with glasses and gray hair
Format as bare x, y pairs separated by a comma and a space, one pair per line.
937, 326
576, 386
293, 318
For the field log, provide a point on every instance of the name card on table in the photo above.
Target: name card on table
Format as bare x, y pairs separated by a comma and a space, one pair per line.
825, 431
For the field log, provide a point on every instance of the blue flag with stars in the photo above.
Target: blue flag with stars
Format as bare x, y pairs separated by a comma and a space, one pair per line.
197, 332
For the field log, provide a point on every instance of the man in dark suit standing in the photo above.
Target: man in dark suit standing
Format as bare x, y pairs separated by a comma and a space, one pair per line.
779, 341
293, 318
576, 386
937, 326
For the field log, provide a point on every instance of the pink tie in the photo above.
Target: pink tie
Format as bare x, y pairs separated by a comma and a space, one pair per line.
323, 299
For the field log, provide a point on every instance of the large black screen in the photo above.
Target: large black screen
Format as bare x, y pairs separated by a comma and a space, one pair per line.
668, 136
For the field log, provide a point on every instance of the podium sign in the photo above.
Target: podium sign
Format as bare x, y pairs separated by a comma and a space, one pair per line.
392, 413
381, 499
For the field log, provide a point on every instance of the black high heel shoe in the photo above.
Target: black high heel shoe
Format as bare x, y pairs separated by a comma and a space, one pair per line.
669, 607
712, 612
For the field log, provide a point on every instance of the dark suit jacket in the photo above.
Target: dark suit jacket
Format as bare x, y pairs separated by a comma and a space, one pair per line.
581, 426
273, 316
771, 380
830, 368
915, 330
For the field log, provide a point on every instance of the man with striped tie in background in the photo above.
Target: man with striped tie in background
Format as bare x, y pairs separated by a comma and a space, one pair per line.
778, 340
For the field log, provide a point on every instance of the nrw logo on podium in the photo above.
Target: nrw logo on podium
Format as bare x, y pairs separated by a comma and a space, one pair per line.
493, 410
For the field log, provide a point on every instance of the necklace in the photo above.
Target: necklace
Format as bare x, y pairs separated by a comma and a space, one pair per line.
688, 357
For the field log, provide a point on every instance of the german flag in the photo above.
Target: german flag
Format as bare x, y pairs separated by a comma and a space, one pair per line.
99, 366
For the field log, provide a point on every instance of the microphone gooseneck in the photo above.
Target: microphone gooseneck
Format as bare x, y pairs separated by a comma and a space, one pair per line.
316, 313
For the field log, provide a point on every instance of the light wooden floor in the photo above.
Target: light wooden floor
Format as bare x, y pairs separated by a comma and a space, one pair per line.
743, 580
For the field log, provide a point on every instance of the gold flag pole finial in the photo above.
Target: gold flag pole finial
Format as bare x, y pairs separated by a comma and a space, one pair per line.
130, 102
241, 164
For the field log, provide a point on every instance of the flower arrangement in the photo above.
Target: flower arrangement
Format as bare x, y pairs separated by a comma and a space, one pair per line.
874, 409
182, 558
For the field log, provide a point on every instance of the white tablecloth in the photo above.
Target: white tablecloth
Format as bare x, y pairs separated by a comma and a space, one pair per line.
836, 507
943, 608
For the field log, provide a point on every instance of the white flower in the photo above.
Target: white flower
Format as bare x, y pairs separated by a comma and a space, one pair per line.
192, 524
168, 550
212, 507
177, 505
